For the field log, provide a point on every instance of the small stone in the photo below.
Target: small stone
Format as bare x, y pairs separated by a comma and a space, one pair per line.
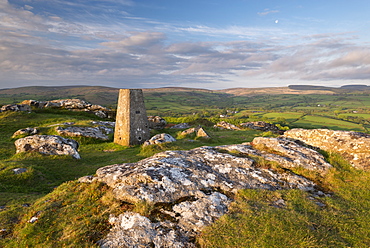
33, 219
159, 138
19, 170
279, 203
226, 125
181, 126
27, 131
199, 132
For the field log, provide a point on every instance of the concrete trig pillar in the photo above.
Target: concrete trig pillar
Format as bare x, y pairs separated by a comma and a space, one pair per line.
131, 120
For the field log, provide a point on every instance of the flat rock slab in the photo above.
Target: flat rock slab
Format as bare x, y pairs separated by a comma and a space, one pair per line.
90, 132
48, 144
354, 146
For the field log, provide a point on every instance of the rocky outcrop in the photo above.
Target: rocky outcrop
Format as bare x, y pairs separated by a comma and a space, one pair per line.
159, 139
226, 125
90, 132
48, 144
354, 146
156, 122
195, 187
15, 107
72, 104
26, 131
262, 126
198, 131
285, 152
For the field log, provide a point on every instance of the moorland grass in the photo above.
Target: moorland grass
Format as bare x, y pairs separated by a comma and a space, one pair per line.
75, 215
339, 219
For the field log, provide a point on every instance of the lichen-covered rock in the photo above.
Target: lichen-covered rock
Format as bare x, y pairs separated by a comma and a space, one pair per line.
181, 126
72, 104
196, 186
289, 154
226, 125
48, 144
193, 216
159, 139
156, 122
90, 132
133, 230
106, 127
262, 126
170, 175
27, 131
354, 146
15, 107
190, 182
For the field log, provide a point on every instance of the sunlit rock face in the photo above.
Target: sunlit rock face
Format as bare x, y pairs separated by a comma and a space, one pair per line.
354, 146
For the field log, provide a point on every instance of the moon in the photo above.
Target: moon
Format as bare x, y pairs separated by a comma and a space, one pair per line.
277, 21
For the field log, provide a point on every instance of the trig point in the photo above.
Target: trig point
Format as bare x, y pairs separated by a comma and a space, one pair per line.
131, 121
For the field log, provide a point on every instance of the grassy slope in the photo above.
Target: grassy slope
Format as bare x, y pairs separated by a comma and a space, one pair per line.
75, 215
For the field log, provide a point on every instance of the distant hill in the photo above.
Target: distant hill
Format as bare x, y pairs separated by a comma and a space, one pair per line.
107, 96
342, 89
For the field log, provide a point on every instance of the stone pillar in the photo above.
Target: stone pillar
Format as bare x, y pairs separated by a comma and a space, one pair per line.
131, 120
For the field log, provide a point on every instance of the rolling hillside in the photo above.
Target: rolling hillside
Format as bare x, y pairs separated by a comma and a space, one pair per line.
107, 96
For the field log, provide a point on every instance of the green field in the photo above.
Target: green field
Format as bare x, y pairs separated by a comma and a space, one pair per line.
77, 213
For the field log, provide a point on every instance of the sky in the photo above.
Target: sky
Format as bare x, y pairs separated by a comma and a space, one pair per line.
211, 44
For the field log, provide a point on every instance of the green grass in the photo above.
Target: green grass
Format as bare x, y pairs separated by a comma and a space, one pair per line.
310, 121
75, 215
254, 221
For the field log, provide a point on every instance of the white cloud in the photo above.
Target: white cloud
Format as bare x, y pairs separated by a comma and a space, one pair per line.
267, 12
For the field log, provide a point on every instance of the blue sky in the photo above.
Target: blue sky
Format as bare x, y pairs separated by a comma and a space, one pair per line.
214, 44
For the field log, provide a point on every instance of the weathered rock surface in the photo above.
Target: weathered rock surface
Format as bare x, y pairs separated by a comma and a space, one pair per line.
156, 122
48, 144
199, 132
27, 131
133, 230
106, 127
354, 146
197, 185
72, 104
15, 107
286, 153
226, 125
90, 132
159, 139
181, 126
262, 126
